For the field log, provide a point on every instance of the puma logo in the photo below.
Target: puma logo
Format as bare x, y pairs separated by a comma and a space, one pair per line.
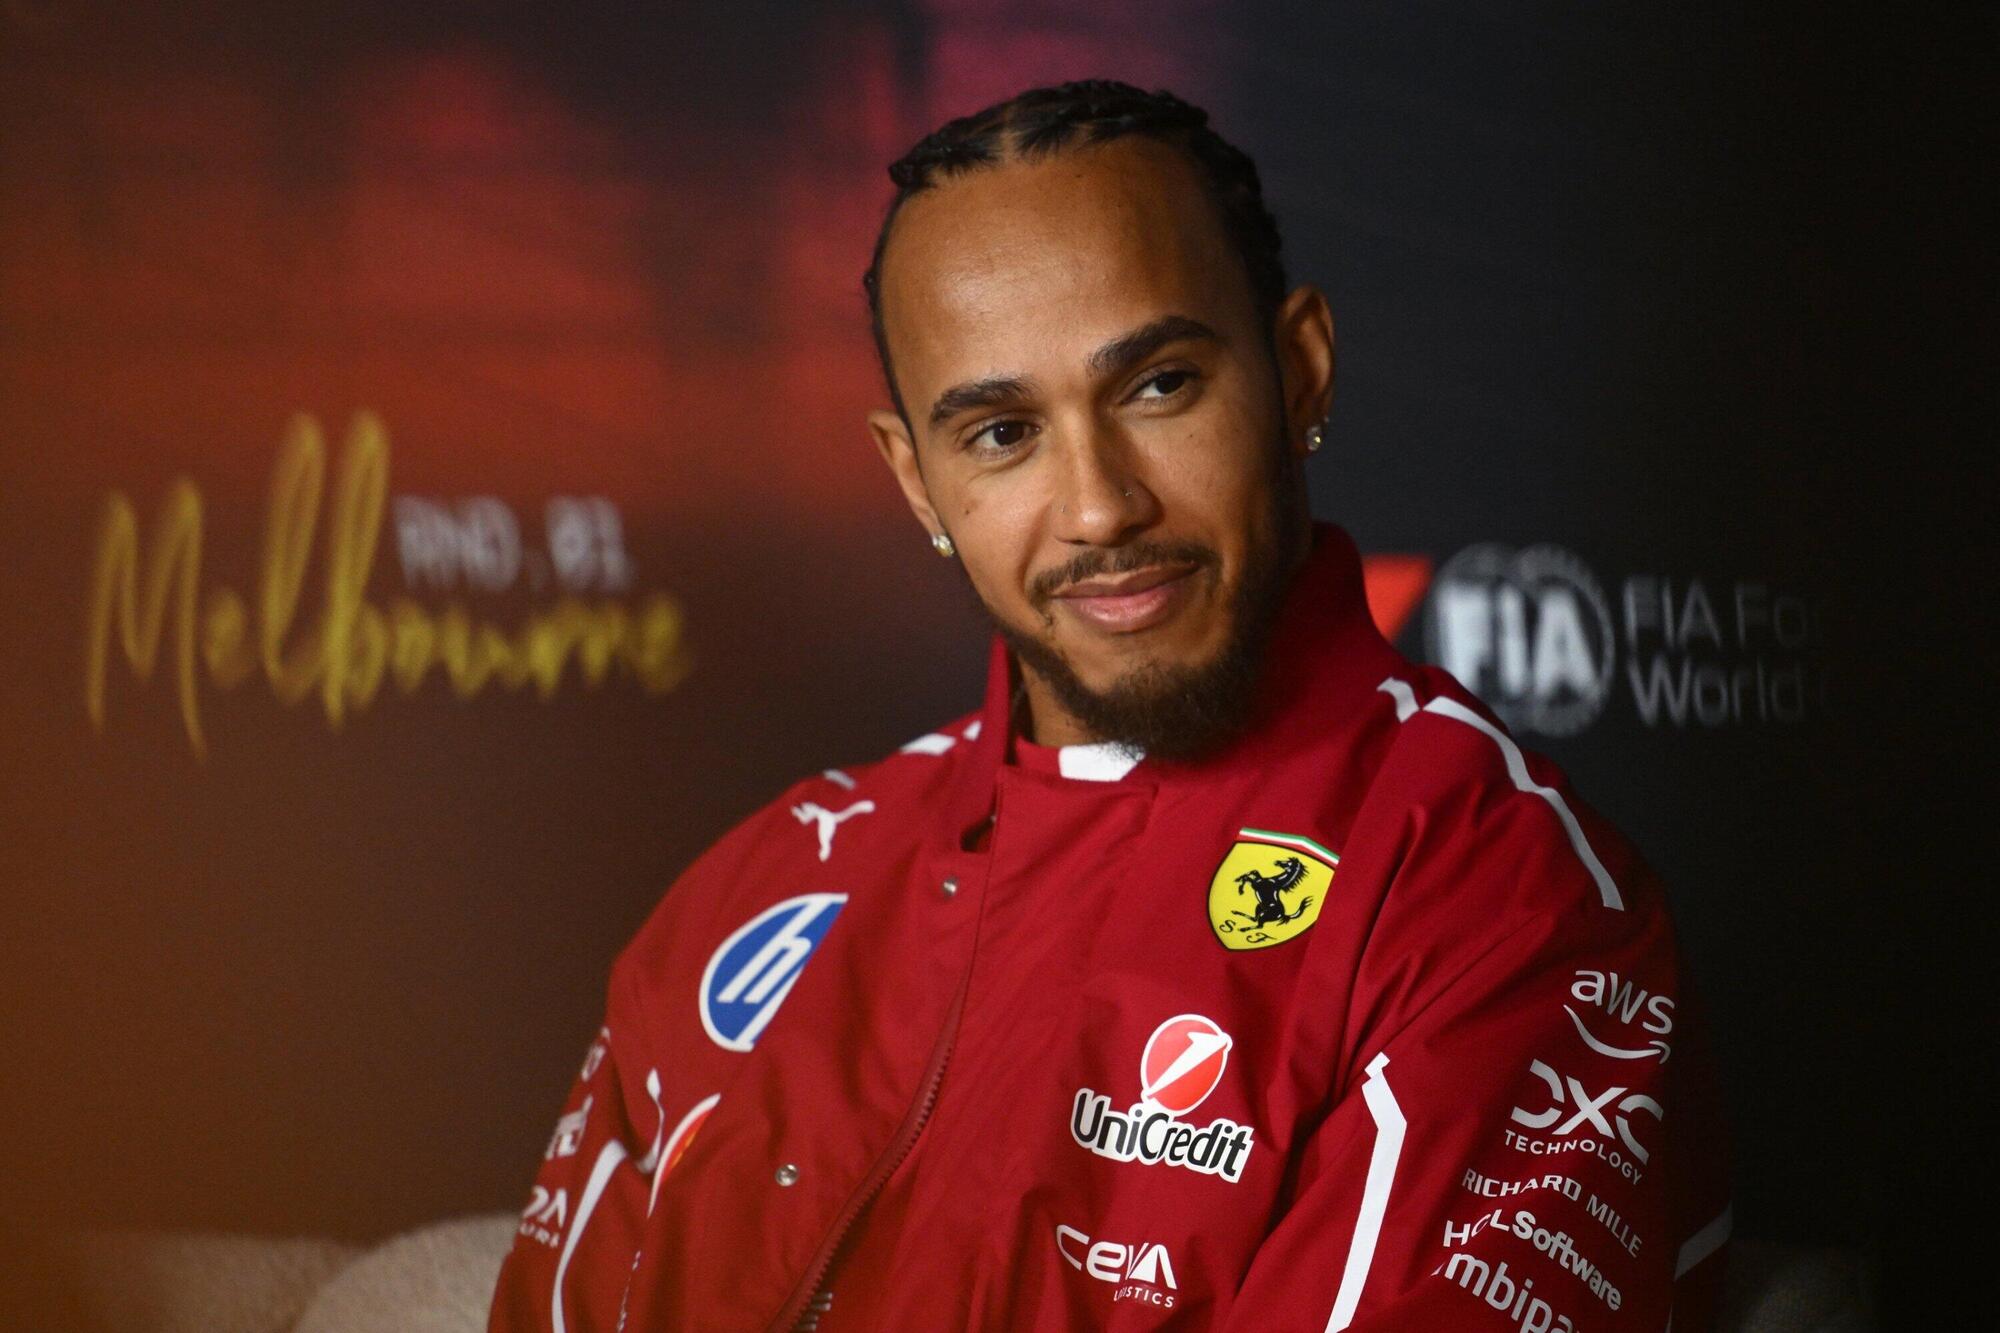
806, 812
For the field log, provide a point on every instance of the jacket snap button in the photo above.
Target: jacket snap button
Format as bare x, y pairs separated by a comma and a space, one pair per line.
788, 1174
948, 888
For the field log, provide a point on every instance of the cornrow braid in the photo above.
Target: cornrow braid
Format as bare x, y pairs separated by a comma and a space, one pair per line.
1043, 121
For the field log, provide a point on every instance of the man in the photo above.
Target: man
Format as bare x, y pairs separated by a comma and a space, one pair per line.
1224, 969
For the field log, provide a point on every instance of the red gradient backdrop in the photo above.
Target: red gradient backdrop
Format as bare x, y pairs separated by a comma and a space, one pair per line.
457, 412
294, 941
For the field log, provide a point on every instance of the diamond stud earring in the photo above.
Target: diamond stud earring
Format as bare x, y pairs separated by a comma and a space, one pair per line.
1315, 437
943, 545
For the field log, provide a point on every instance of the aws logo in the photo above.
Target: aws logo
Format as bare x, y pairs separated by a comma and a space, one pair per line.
1268, 889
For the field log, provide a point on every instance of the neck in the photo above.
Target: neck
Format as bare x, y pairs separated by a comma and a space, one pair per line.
1040, 716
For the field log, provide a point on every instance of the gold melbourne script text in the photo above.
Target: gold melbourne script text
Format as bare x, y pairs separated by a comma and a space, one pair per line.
343, 659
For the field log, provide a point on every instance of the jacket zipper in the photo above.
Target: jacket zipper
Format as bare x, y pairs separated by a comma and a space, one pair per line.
806, 1299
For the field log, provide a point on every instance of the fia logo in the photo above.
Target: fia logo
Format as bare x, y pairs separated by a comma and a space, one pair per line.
750, 973
1527, 631
545, 1216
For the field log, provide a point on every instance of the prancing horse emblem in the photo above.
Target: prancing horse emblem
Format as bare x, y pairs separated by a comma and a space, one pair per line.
1269, 889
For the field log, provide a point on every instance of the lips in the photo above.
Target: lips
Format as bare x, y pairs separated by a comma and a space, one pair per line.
1136, 600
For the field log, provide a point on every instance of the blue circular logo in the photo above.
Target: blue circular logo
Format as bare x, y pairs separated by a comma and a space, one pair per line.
752, 972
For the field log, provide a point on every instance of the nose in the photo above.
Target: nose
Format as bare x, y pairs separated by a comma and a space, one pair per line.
1101, 498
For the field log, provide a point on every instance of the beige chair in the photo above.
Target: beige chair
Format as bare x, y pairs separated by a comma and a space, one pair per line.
437, 1279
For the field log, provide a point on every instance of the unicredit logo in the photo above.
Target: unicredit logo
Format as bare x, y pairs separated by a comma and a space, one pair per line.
1180, 1066
1183, 1062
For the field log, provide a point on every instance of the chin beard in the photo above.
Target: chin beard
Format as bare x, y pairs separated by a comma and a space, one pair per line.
1178, 712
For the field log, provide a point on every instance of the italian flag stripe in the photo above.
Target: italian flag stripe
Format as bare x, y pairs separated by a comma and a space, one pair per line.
1291, 840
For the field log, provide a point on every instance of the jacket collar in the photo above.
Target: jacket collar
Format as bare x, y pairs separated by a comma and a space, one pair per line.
1324, 660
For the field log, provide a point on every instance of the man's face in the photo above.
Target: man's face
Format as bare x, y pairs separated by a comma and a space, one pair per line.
1097, 421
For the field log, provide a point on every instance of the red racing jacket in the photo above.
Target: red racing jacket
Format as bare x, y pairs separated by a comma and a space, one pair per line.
1365, 1022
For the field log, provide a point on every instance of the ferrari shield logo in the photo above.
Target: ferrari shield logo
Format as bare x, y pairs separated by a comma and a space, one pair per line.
1268, 889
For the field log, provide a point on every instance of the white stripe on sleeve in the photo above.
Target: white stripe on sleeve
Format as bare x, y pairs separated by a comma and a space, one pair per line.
1389, 1125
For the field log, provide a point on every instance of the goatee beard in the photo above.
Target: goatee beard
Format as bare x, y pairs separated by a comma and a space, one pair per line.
1176, 712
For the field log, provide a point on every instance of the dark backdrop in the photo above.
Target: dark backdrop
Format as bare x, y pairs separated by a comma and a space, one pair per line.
1663, 340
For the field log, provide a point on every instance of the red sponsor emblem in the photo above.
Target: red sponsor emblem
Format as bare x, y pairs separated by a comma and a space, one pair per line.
1183, 1062
683, 1135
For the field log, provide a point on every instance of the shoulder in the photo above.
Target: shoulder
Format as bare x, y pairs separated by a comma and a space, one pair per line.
824, 832
1468, 800
922, 767
1490, 886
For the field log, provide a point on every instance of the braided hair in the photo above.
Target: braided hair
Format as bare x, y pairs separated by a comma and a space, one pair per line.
1041, 122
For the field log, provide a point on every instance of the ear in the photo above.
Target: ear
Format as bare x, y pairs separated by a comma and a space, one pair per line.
892, 439
1303, 336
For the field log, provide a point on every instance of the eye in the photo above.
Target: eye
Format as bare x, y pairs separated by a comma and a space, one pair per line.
1005, 435
1169, 382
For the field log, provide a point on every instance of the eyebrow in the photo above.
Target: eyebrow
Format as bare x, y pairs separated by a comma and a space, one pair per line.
1113, 358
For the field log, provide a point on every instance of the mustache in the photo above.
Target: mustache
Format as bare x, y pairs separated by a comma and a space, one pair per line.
1092, 563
